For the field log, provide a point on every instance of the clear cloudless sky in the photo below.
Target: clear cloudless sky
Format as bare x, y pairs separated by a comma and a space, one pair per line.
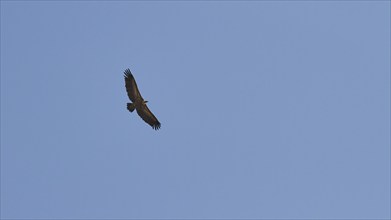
268, 109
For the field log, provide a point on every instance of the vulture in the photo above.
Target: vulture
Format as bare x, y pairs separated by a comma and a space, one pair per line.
138, 102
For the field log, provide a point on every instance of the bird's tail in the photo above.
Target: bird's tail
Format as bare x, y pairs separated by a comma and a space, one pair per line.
131, 107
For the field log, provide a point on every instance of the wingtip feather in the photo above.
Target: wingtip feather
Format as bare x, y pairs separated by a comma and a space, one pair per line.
127, 73
156, 126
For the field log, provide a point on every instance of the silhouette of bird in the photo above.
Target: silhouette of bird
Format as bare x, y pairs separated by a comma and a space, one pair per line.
138, 102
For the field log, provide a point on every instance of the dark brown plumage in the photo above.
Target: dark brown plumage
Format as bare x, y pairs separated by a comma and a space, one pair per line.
138, 102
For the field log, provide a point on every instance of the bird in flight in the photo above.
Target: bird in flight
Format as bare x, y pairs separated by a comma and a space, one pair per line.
138, 102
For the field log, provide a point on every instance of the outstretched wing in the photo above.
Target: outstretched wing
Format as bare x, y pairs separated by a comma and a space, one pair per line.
148, 117
131, 87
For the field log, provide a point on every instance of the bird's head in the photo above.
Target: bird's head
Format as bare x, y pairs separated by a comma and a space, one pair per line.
145, 102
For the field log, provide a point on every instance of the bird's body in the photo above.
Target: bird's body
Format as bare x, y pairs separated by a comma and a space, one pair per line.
138, 103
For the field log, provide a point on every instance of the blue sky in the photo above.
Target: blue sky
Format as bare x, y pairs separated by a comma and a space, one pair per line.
268, 109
